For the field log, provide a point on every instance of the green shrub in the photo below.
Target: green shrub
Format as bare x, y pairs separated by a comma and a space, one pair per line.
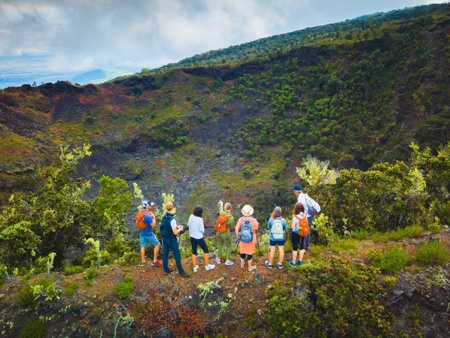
335, 299
34, 329
25, 297
345, 244
128, 279
124, 289
72, 289
390, 280
393, 260
45, 288
91, 273
432, 252
73, 269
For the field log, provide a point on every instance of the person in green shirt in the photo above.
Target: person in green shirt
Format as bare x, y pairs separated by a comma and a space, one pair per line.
224, 238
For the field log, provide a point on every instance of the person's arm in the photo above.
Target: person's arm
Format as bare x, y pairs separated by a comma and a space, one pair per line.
238, 227
293, 223
255, 225
269, 224
202, 226
153, 224
220, 204
176, 229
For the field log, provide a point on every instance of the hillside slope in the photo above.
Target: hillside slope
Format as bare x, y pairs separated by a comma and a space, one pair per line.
222, 131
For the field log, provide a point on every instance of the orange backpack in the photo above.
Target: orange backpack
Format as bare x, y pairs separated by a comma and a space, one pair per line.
221, 224
140, 224
303, 229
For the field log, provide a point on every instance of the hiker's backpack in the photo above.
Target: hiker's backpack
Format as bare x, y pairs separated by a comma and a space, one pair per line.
166, 229
140, 224
246, 231
221, 224
303, 228
277, 231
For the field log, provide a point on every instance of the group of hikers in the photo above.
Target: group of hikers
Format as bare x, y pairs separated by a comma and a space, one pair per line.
245, 229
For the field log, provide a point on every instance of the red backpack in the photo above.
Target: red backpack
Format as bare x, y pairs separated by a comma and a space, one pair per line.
221, 224
140, 219
303, 229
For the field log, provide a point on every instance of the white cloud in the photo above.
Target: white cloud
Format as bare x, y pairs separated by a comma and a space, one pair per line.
79, 34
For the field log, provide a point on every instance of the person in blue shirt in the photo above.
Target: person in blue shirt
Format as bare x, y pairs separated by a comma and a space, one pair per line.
277, 227
147, 237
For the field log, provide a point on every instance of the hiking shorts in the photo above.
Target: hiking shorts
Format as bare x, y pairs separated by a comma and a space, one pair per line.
198, 242
298, 241
145, 241
279, 242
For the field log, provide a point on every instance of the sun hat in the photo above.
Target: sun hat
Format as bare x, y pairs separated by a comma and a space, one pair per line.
247, 210
297, 188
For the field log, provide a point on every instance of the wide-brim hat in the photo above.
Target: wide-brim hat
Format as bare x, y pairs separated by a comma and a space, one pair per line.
247, 210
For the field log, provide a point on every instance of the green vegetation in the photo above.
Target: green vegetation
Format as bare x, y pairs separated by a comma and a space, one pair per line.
391, 261
125, 289
333, 300
71, 289
432, 253
34, 329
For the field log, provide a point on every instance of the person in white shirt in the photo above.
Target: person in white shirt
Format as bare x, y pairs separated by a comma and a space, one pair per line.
196, 229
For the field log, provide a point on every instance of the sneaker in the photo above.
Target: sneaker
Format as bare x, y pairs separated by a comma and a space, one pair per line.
168, 271
210, 267
300, 263
268, 265
146, 262
196, 268
185, 274
280, 266
252, 268
291, 263
228, 263
157, 263
218, 261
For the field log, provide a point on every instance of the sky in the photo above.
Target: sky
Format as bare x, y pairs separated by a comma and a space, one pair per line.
70, 36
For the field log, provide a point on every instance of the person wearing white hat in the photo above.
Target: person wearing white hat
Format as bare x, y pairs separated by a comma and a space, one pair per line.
246, 232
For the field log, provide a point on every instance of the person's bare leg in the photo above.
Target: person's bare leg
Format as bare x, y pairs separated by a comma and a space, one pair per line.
271, 254
156, 252
302, 252
281, 258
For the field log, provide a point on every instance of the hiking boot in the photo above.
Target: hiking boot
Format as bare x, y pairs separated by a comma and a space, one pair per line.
268, 265
280, 266
168, 271
228, 263
185, 274
210, 267
300, 263
218, 261
252, 268
292, 264
195, 268
157, 263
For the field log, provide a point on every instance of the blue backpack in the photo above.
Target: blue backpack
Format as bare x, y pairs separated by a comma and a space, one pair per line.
246, 231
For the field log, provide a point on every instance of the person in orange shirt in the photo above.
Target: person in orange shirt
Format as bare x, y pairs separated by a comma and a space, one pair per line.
246, 233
